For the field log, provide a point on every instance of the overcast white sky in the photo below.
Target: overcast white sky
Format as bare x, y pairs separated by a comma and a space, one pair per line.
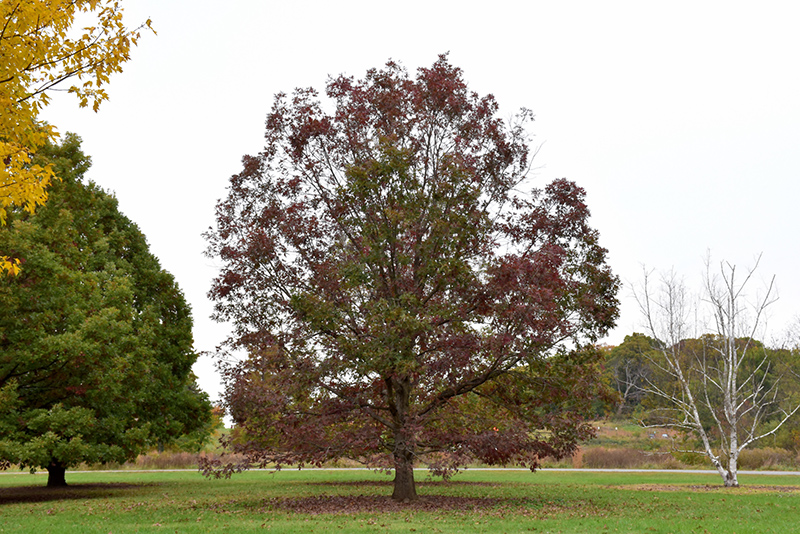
680, 119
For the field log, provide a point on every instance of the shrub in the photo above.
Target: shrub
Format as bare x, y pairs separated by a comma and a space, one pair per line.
626, 458
767, 458
603, 458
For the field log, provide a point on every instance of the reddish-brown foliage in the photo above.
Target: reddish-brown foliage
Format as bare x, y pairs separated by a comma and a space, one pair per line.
400, 292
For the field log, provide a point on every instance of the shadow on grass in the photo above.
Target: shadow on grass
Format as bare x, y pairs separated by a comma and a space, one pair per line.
419, 483
348, 504
30, 494
356, 504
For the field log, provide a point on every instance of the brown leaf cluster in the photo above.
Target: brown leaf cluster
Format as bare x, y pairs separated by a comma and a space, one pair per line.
359, 504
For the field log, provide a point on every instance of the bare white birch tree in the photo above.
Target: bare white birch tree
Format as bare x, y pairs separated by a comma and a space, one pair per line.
725, 391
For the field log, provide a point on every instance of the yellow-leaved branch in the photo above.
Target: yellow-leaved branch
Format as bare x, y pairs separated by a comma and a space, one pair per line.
40, 50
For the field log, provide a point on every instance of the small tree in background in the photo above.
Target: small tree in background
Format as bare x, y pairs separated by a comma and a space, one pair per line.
400, 292
722, 388
627, 368
95, 337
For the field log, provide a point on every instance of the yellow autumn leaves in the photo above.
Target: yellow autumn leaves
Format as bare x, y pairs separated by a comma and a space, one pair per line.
40, 49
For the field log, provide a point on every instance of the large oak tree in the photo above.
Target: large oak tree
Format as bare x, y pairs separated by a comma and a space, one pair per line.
399, 290
95, 337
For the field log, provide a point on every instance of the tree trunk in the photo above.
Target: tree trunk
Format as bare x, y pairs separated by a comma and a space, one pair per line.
56, 475
405, 489
729, 474
731, 478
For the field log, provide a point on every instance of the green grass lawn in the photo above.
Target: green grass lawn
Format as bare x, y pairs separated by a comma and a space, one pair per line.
356, 501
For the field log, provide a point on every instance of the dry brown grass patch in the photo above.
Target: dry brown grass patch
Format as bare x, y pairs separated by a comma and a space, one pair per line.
708, 488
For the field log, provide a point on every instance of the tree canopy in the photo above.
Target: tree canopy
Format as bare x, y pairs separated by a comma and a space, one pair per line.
399, 290
95, 337
40, 50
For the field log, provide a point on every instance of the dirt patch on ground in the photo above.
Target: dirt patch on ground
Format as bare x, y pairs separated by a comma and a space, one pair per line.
379, 504
389, 483
22, 494
710, 487
358, 504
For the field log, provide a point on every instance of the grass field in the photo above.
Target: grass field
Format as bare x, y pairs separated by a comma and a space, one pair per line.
356, 501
